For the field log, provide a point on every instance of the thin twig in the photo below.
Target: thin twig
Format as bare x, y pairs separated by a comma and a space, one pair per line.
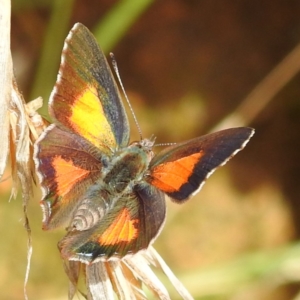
264, 92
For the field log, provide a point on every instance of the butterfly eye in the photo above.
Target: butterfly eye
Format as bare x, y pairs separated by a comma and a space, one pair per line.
105, 162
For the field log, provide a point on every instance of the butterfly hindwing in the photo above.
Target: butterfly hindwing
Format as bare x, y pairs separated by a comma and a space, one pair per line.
85, 98
129, 225
67, 165
181, 170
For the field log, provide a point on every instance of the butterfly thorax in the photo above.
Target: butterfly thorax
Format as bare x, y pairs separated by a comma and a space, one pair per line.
128, 166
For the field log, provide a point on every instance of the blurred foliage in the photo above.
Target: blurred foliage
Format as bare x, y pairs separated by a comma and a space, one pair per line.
57, 30
188, 64
19, 5
111, 28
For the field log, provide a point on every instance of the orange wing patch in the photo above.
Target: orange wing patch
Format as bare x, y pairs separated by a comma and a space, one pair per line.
123, 229
88, 119
170, 176
67, 174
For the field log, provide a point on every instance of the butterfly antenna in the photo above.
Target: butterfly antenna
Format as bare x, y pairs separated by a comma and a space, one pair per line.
115, 66
165, 144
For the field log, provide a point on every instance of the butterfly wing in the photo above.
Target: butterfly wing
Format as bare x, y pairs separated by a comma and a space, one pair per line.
85, 99
67, 165
89, 121
181, 170
130, 225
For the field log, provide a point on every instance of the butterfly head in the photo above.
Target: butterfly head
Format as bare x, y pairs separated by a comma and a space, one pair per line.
146, 145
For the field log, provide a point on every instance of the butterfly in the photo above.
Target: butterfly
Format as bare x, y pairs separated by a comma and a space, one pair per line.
108, 192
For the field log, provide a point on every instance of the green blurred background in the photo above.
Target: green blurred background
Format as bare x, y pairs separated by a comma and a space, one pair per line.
186, 65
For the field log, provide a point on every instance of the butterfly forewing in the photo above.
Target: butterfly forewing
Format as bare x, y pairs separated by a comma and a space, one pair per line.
181, 170
85, 99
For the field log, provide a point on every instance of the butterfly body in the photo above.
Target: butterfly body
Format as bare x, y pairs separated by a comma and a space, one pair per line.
127, 167
108, 192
